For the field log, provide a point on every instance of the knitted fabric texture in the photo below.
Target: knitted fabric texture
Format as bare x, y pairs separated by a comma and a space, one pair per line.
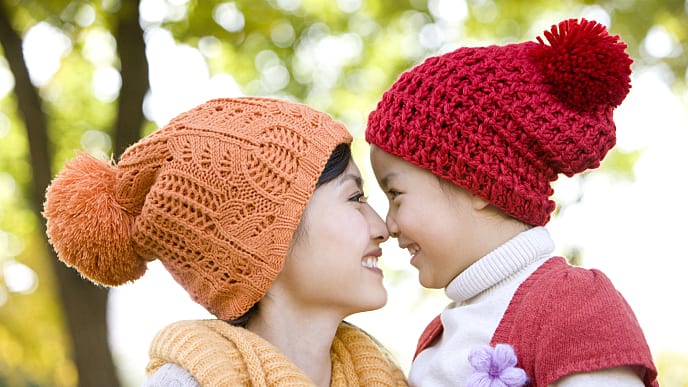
503, 121
218, 354
565, 320
215, 195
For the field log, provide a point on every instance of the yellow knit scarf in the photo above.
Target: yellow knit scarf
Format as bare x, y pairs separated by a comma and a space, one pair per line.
218, 354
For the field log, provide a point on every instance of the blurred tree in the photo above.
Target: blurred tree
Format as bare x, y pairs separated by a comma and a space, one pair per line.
84, 305
336, 56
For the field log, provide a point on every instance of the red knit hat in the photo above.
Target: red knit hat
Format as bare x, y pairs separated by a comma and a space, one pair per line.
503, 121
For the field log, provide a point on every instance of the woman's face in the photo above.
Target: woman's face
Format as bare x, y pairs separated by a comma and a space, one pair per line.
332, 264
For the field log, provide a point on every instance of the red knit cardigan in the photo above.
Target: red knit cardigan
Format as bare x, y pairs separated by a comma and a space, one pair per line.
563, 320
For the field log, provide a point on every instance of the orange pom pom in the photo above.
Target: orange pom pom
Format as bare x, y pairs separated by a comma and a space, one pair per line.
89, 230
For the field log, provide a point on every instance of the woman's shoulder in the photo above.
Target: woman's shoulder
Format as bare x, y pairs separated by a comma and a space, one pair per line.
171, 375
200, 348
368, 354
349, 332
189, 332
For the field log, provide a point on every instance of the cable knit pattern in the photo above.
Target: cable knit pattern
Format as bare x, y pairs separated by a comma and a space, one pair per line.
218, 354
503, 121
216, 195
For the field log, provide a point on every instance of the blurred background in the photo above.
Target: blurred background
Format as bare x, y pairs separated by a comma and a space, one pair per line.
98, 75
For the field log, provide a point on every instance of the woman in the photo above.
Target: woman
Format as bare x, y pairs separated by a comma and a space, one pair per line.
255, 207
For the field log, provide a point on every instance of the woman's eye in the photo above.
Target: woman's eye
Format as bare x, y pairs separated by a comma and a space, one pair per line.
359, 198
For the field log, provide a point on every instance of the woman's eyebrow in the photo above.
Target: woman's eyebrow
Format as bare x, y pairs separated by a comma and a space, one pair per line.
350, 176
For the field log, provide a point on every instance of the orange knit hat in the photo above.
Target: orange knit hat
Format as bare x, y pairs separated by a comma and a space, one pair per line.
216, 195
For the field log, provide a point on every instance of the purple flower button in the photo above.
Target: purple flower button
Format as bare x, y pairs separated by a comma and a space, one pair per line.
495, 367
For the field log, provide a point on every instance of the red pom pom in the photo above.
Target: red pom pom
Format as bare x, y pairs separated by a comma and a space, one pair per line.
585, 66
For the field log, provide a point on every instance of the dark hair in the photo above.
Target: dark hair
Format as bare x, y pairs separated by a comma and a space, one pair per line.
242, 320
335, 166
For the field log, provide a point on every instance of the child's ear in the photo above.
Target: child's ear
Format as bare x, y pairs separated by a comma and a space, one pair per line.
478, 203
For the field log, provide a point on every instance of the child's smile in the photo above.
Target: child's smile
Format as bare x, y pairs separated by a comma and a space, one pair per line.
434, 223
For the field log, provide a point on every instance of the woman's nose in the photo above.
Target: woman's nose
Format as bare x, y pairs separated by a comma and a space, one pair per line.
378, 228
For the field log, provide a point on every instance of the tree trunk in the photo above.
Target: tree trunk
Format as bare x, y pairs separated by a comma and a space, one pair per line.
134, 72
83, 303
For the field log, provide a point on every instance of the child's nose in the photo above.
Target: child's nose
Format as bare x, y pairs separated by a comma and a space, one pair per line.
392, 226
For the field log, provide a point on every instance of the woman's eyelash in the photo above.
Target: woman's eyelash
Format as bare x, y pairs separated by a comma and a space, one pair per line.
359, 198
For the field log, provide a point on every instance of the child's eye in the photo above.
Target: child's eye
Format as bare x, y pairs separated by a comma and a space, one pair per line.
392, 194
359, 198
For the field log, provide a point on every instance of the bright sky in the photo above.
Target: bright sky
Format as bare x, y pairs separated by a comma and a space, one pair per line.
633, 231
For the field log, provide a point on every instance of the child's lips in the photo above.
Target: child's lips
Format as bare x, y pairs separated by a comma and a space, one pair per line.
413, 251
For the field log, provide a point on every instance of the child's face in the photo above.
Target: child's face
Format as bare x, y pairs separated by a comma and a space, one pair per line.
436, 224
332, 262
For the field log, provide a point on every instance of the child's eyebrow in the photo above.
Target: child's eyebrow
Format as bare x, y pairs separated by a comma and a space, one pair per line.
384, 181
350, 176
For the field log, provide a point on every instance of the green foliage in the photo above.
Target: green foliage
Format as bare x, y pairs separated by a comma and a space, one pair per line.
378, 29
382, 41
33, 349
637, 19
14, 148
71, 117
619, 164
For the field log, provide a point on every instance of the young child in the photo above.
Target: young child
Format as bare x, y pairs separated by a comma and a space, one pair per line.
466, 146
256, 209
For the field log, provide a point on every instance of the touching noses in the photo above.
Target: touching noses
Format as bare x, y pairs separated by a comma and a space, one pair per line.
378, 229
392, 227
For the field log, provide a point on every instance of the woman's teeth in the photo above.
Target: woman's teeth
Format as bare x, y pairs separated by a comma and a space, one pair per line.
369, 262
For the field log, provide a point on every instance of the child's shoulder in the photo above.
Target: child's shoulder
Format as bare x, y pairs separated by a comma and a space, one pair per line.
570, 298
557, 276
575, 314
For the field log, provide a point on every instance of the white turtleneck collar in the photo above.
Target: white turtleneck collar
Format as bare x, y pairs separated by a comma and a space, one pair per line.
480, 296
509, 258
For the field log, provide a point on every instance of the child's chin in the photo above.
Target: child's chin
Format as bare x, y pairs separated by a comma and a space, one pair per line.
430, 283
